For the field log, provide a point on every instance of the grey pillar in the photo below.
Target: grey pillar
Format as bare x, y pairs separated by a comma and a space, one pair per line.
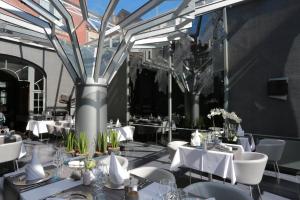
195, 108
226, 62
170, 99
91, 110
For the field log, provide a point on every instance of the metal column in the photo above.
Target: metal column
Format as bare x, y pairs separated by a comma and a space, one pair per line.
91, 110
226, 62
127, 90
170, 96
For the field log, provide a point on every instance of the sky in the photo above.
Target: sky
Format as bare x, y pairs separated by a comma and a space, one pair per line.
99, 6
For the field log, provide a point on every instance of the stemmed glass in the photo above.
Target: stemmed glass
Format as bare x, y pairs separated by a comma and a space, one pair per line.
58, 162
168, 190
100, 173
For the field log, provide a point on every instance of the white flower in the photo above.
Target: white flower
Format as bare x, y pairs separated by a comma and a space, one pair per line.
225, 114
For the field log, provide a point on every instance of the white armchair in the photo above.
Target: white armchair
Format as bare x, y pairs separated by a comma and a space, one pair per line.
274, 149
249, 168
218, 191
153, 174
173, 146
10, 152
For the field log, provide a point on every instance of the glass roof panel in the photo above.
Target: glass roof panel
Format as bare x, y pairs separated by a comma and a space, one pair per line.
99, 6
162, 8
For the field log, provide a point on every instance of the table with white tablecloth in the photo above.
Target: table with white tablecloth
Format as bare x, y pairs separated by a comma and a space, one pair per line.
125, 132
48, 126
38, 127
212, 162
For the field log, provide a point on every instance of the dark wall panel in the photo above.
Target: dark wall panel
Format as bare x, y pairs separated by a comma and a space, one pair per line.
264, 42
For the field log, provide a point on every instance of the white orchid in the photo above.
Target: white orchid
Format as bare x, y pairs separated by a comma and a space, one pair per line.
225, 115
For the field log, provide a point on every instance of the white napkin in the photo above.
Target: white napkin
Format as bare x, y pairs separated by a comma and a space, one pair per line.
196, 139
117, 174
240, 131
34, 170
118, 124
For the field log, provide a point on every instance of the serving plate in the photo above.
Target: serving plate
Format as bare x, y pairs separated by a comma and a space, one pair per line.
22, 181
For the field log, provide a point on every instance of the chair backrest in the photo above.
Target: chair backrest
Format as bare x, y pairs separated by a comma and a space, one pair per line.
10, 151
153, 174
272, 147
250, 167
217, 190
173, 146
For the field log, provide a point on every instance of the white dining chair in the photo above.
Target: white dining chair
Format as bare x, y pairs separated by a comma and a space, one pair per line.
153, 174
173, 146
274, 149
10, 152
217, 191
249, 169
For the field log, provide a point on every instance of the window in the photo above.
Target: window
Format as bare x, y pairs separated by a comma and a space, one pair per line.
38, 102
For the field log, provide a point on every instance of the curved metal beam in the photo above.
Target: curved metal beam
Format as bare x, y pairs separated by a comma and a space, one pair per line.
72, 34
109, 11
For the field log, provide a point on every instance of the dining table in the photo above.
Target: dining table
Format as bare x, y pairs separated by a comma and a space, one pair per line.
64, 188
212, 161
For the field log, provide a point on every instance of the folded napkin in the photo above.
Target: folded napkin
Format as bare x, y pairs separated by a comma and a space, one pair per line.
118, 124
240, 131
76, 163
117, 174
196, 138
34, 170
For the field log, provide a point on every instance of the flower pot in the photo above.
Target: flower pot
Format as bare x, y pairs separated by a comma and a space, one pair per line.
115, 150
98, 153
82, 154
70, 153
88, 177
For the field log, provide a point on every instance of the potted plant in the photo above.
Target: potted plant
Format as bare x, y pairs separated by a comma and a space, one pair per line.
82, 145
114, 142
101, 143
88, 175
70, 143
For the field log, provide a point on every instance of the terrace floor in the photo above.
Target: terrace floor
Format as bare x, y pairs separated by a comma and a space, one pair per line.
143, 154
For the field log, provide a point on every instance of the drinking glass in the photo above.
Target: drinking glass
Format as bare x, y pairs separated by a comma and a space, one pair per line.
167, 190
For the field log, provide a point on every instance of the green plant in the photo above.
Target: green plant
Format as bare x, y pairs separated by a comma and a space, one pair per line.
113, 139
70, 142
82, 143
102, 142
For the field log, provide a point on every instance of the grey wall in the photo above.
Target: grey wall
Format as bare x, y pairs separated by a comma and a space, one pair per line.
47, 60
264, 42
116, 96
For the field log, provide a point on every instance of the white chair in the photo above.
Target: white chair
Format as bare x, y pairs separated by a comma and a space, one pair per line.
153, 174
10, 152
274, 149
218, 191
173, 146
123, 161
249, 169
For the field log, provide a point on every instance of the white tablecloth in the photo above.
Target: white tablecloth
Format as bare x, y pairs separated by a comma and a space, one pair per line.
38, 127
213, 162
125, 132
